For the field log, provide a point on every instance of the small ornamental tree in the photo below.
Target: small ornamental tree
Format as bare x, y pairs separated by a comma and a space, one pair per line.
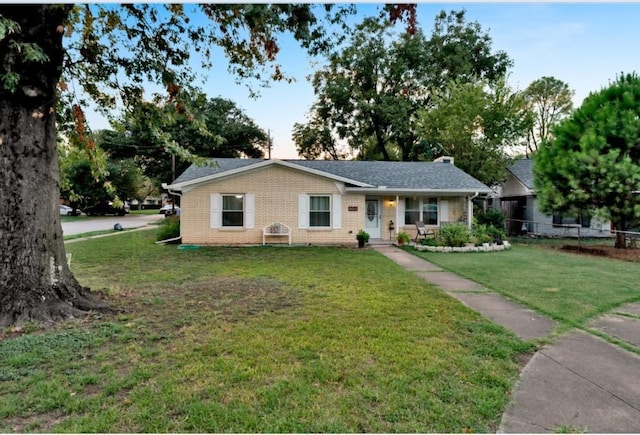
593, 164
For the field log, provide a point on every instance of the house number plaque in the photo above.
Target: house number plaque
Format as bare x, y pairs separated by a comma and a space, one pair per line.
353, 208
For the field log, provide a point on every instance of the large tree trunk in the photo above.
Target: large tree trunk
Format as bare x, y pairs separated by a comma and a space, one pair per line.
36, 284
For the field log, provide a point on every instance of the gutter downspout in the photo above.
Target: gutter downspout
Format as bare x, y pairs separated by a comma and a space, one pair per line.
470, 209
172, 192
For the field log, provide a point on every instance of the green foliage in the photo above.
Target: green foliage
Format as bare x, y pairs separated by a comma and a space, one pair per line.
86, 182
169, 228
477, 123
455, 234
10, 80
481, 234
497, 234
7, 27
369, 92
362, 235
315, 141
32, 52
593, 163
144, 136
551, 101
403, 237
491, 216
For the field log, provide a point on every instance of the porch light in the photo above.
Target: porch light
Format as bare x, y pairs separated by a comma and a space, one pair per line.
391, 203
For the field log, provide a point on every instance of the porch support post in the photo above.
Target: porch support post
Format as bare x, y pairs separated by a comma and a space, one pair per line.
469, 211
397, 221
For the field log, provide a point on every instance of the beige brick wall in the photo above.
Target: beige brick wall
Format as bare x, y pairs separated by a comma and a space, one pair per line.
276, 191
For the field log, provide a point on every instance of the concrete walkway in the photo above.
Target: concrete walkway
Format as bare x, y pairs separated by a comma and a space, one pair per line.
578, 383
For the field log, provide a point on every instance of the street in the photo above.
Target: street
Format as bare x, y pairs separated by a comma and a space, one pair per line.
107, 223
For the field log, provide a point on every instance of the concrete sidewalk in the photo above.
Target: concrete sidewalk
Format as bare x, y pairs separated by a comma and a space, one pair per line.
578, 383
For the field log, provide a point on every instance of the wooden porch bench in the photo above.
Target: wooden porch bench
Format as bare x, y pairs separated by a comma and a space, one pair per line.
276, 229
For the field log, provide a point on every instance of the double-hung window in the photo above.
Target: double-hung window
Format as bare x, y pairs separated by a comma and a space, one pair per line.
421, 209
317, 211
320, 211
232, 210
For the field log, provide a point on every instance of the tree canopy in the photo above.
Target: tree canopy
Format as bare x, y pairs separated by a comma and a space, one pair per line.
227, 132
550, 102
593, 162
478, 124
369, 92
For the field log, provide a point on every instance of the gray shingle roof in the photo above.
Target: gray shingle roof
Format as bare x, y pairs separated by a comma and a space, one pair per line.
523, 171
393, 175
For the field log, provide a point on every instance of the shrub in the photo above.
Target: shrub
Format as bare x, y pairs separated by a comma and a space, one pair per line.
169, 228
455, 234
362, 235
403, 238
497, 234
429, 242
491, 217
482, 234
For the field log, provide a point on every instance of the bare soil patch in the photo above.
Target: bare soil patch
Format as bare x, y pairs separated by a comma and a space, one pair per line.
627, 254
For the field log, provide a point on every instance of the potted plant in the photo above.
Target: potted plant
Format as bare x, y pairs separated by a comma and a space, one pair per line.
362, 237
403, 238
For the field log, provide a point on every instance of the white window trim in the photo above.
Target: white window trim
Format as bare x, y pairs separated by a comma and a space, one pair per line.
248, 210
304, 212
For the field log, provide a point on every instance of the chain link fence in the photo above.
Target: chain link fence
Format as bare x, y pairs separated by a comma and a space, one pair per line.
533, 232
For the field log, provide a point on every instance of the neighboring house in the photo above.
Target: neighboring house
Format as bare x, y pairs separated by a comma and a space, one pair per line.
321, 201
519, 205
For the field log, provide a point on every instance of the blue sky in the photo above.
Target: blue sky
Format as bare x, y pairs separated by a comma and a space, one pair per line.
584, 44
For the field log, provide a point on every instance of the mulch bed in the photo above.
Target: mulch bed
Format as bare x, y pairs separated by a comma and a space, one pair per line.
628, 254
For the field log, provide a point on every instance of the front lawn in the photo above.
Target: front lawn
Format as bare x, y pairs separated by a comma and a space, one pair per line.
570, 288
260, 339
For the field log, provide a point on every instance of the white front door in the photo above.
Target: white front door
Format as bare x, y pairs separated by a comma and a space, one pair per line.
372, 218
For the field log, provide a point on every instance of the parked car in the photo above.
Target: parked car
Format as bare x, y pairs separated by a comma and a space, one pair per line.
104, 208
167, 210
65, 210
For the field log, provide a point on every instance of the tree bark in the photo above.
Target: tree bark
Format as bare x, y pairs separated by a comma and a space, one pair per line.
36, 284
619, 226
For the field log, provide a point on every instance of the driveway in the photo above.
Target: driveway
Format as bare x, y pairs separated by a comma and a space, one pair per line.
107, 222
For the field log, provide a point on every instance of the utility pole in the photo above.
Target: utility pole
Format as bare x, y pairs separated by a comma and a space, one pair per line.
269, 143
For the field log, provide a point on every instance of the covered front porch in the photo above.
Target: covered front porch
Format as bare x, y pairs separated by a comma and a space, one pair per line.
388, 214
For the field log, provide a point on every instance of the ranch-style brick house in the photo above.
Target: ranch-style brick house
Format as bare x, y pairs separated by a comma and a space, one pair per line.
237, 201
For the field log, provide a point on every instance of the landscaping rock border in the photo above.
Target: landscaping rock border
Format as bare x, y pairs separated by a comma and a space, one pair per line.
484, 248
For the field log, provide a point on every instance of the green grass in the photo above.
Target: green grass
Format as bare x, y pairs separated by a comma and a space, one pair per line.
257, 340
145, 212
570, 288
93, 233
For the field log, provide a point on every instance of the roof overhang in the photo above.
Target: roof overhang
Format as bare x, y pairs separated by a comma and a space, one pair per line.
224, 174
